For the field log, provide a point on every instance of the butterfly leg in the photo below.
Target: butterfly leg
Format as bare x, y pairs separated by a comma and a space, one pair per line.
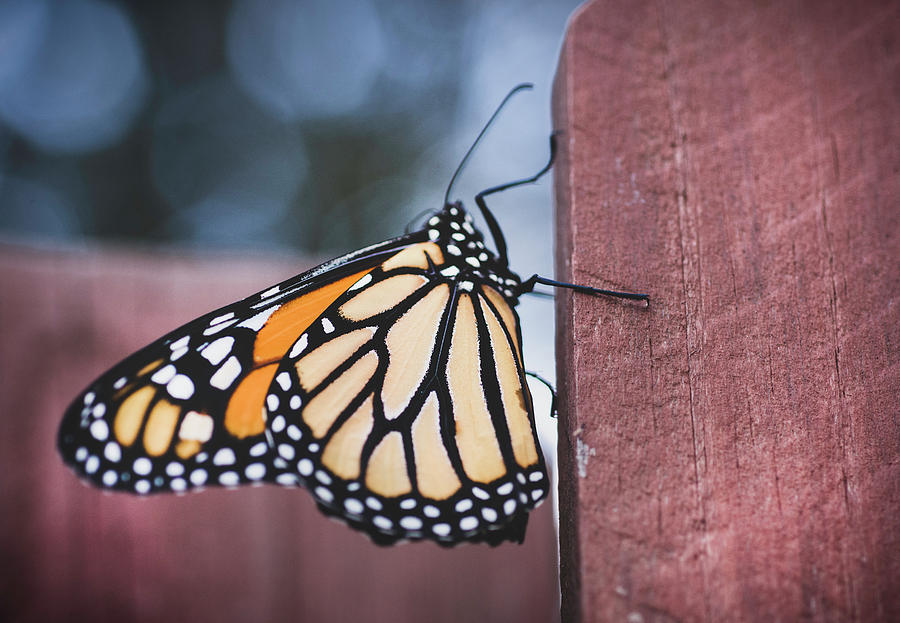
492, 224
528, 286
549, 385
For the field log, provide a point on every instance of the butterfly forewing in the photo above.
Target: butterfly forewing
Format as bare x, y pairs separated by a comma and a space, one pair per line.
189, 409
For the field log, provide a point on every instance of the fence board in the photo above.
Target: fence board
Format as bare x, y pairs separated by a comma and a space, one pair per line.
73, 553
733, 452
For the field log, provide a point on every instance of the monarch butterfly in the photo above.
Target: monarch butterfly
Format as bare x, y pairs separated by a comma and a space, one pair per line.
389, 382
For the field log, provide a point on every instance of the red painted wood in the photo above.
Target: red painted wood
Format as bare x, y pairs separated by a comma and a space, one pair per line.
73, 553
732, 453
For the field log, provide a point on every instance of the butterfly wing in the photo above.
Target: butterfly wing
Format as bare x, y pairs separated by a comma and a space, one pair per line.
189, 409
404, 408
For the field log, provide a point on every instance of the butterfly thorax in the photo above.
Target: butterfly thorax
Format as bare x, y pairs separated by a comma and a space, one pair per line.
467, 260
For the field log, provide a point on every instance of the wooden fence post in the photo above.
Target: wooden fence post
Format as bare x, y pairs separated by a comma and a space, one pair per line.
731, 453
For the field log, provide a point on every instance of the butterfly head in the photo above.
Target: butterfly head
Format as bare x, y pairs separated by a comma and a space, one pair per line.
467, 259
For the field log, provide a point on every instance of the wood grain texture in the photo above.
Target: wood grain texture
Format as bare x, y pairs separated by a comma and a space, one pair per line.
73, 553
733, 452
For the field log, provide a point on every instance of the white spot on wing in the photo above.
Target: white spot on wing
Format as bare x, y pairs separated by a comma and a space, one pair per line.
225, 376
287, 480
163, 375
180, 342
305, 467
225, 456
221, 319
142, 466
99, 430
298, 346
441, 529
196, 426
198, 477
353, 506
322, 477
327, 326
217, 350
411, 523
181, 387
362, 282
284, 380
468, 523
255, 471
229, 479
112, 452
219, 327
256, 322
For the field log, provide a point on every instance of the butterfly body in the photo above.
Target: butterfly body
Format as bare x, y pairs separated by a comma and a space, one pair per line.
388, 382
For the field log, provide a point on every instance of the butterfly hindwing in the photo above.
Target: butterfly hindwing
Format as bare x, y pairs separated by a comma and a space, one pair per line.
404, 408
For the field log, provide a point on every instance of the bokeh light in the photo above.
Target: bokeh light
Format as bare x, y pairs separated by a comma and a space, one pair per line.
72, 76
229, 171
305, 59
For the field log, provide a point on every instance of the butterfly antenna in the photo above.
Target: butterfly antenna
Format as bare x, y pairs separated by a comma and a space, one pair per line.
527, 286
522, 87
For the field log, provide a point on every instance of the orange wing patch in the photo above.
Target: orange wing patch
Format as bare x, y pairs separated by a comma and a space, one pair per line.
434, 472
386, 474
512, 393
478, 446
245, 415
414, 256
294, 317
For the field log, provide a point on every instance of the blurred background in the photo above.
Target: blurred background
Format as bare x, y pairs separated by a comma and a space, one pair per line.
306, 127
276, 130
